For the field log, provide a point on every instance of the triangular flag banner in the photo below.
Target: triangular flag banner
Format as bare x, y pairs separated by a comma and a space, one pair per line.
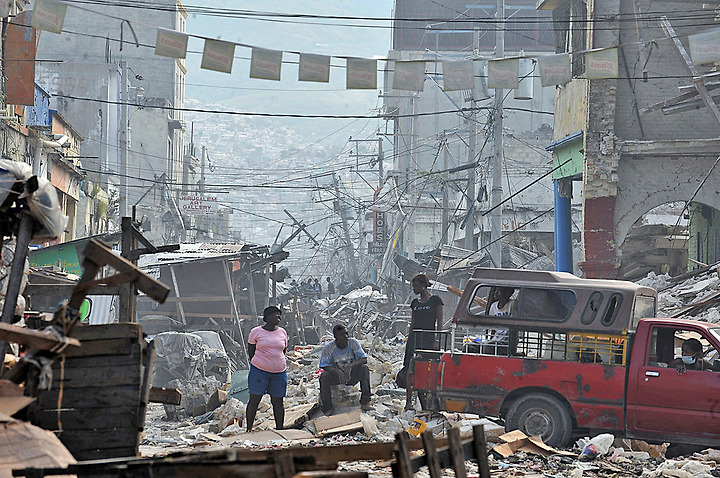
361, 74
5, 8
265, 64
458, 75
171, 43
409, 75
555, 69
503, 74
218, 55
705, 47
48, 15
601, 64
314, 68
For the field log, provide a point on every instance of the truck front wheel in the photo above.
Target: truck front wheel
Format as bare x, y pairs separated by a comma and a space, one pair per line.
541, 415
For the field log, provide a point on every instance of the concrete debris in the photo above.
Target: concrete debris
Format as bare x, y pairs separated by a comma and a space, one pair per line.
193, 363
696, 297
512, 454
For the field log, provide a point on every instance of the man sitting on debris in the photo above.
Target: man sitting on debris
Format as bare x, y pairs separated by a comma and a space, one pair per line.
344, 362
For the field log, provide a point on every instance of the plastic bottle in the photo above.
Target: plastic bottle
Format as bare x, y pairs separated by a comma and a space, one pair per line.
598, 445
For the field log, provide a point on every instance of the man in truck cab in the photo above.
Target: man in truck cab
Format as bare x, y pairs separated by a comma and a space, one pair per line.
692, 353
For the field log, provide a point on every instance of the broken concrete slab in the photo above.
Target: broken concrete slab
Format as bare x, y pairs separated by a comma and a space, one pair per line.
340, 423
268, 437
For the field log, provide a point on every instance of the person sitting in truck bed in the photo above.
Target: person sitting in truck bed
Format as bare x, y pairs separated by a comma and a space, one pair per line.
497, 341
691, 359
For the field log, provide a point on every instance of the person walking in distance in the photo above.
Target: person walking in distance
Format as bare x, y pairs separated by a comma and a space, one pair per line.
267, 346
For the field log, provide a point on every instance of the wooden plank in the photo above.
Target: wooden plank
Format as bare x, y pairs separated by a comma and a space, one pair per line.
332, 474
456, 453
146, 384
105, 453
87, 418
99, 377
403, 468
80, 440
109, 361
480, 450
33, 338
105, 347
170, 396
284, 466
100, 254
431, 457
108, 331
90, 397
325, 424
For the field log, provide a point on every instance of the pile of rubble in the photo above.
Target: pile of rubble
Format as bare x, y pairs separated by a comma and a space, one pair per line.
695, 295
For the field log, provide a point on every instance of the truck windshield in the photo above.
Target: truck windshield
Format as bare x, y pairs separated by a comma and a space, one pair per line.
716, 333
644, 308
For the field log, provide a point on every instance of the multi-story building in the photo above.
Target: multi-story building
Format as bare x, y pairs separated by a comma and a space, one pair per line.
433, 129
91, 74
641, 140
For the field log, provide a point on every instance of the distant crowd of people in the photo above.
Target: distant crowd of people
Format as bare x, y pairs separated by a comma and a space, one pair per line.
313, 288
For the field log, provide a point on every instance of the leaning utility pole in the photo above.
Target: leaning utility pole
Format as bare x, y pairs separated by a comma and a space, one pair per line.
123, 173
346, 230
496, 214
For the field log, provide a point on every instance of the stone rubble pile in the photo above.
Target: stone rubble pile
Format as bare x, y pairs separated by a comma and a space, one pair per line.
696, 296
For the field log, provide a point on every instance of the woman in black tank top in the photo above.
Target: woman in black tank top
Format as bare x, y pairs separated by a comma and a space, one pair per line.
426, 314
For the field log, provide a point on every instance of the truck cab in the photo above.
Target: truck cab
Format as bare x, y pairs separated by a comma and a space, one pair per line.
568, 354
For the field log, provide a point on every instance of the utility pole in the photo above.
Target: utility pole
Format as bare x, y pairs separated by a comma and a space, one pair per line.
123, 173
202, 171
496, 214
472, 140
470, 192
445, 219
346, 230
381, 158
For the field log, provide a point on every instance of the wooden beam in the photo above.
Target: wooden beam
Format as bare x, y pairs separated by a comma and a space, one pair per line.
100, 254
33, 338
170, 396
697, 79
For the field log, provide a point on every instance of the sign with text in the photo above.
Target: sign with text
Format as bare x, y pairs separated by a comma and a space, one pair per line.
266, 64
504, 73
705, 47
409, 75
218, 56
458, 75
601, 64
198, 205
361, 74
555, 69
314, 68
171, 43
48, 15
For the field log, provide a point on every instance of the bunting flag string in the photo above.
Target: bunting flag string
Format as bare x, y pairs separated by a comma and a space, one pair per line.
361, 73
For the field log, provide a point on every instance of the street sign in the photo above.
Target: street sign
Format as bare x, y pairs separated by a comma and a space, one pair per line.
198, 205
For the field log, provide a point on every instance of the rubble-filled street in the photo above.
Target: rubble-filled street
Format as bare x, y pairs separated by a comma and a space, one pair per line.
354, 238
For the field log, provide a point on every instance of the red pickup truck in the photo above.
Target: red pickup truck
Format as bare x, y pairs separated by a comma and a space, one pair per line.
574, 355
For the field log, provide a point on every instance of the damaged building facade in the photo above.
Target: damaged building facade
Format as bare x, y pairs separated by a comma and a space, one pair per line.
641, 140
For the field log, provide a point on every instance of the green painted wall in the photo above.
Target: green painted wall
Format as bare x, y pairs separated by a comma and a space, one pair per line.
570, 151
704, 242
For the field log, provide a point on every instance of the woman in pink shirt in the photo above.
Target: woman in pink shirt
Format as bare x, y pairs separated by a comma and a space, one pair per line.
267, 346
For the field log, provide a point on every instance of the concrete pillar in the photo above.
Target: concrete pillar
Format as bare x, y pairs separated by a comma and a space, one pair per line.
600, 175
563, 226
